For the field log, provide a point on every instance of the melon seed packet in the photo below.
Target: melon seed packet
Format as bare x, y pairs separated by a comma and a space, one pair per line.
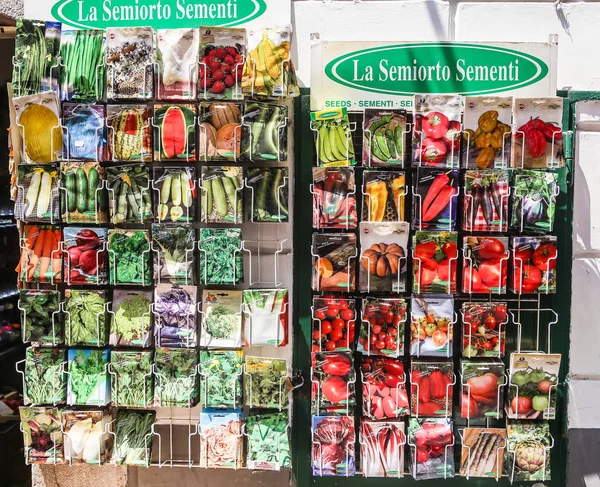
174, 132
129, 134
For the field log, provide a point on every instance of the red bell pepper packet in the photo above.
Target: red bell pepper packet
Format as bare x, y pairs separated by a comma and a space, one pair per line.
435, 199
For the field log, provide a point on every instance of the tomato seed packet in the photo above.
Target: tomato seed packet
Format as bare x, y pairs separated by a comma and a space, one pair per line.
333, 383
486, 264
431, 328
435, 257
484, 329
382, 315
333, 446
334, 324
435, 199
482, 389
485, 201
534, 265
334, 198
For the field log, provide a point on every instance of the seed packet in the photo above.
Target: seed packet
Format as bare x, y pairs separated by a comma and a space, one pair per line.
175, 194
437, 130
485, 203
434, 262
484, 329
435, 199
85, 134
174, 133
482, 389
41, 254
175, 316
433, 454
334, 198
38, 120
382, 315
383, 196
485, 265
221, 440
220, 131
86, 436
131, 378
221, 378
37, 193
266, 317
268, 194
383, 259
89, 384
131, 319
384, 138
173, 247
268, 59
487, 132
266, 383
432, 324
333, 446
85, 318
85, 256
177, 59
176, 378
221, 259
264, 132
133, 437
221, 319
84, 197
82, 80
129, 257
384, 394
41, 318
45, 380
431, 386
382, 448
129, 63
334, 324
333, 137
537, 142
221, 197
534, 201
534, 265
222, 52
268, 441
129, 133
334, 256
42, 435
129, 193
333, 383
532, 385
528, 452
482, 452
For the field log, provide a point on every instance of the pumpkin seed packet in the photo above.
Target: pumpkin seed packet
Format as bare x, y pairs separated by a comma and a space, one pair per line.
37, 117
221, 440
528, 452
534, 201
86, 436
85, 256
384, 195
84, 197
40, 317
534, 265
333, 137
334, 267
537, 141
487, 132
334, 197
131, 378
173, 247
129, 257
435, 199
222, 52
433, 454
131, 319
334, 444
266, 317
532, 385
485, 202
221, 378
177, 59
88, 384
268, 441
175, 194
45, 379
222, 199
333, 383
129, 63
37, 193
264, 137
268, 194
129, 133
85, 136
176, 378
220, 131
431, 327
129, 193
174, 133
42, 435
435, 257
175, 316
85, 317
266, 383
384, 138
482, 452
221, 260
383, 261
483, 384
221, 319
41, 254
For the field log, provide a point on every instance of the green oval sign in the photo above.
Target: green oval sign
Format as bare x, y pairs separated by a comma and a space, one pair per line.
442, 67
159, 14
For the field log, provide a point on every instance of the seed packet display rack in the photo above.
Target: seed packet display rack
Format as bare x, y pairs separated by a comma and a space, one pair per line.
265, 251
534, 322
